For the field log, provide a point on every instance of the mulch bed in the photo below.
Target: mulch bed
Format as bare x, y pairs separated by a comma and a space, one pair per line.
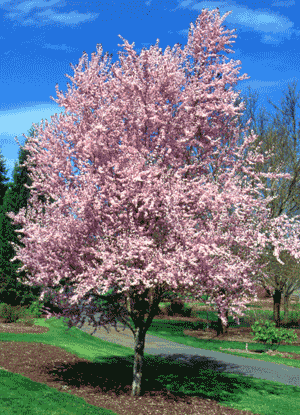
20, 328
99, 385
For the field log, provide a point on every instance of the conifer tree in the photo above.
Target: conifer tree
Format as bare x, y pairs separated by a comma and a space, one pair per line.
15, 197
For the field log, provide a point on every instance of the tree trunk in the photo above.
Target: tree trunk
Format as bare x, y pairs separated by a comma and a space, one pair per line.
226, 326
139, 344
221, 328
138, 306
286, 307
276, 307
207, 321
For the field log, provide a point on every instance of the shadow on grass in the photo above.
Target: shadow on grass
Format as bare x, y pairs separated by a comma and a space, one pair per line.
108, 372
204, 379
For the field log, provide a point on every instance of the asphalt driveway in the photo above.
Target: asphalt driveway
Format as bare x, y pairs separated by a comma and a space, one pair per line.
216, 361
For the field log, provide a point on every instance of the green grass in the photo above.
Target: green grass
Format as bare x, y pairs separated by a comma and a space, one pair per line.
20, 395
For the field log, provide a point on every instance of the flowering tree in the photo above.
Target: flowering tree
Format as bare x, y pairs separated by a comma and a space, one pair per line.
138, 236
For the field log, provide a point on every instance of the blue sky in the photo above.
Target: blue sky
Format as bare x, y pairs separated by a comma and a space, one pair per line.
39, 39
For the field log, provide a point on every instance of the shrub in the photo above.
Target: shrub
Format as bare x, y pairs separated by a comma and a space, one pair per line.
35, 308
11, 314
265, 332
187, 311
178, 307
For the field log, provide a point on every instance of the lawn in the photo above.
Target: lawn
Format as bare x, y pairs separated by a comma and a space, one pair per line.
20, 395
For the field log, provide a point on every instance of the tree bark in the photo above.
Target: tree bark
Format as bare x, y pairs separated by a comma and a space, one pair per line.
286, 307
139, 306
276, 307
222, 328
219, 327
139, 344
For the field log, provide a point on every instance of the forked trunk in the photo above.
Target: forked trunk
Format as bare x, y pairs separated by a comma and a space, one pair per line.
139, 344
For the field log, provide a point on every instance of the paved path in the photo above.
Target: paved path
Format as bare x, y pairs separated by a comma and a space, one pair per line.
217, 361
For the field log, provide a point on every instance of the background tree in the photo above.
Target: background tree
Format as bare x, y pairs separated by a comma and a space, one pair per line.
3, 178
284, 278
16, 197
3, 189
281, 138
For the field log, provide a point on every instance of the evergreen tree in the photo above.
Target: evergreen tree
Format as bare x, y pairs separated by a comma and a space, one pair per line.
3, 178
16, 196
